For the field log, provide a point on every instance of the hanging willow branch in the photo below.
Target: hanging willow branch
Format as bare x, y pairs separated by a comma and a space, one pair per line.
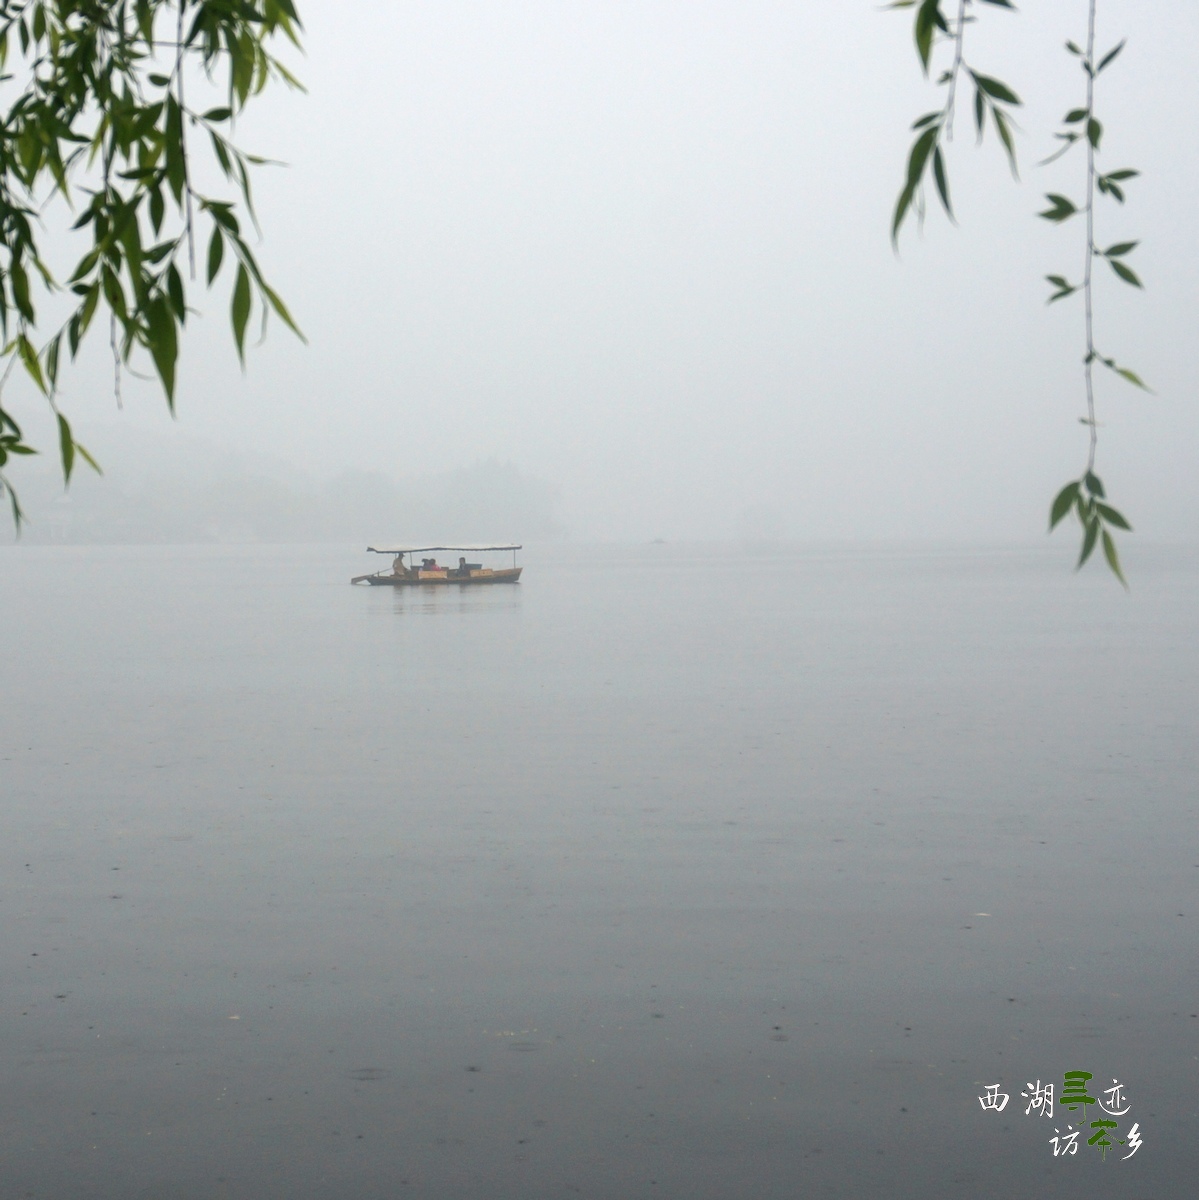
1084, 496
992, 97
99, 83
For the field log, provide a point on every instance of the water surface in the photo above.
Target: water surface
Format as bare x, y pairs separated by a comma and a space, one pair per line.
668, 872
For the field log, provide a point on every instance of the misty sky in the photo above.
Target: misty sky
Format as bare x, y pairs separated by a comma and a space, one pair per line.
640, 249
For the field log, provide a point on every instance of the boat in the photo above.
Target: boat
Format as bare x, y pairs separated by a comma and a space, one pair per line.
407, 572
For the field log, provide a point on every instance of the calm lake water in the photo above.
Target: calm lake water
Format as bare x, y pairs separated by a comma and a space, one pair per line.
670, 872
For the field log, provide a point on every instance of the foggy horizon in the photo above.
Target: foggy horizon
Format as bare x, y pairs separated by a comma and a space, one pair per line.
174, 487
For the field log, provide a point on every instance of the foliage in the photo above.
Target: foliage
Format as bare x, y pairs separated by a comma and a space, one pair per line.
992, 97
1084, 496
100, 119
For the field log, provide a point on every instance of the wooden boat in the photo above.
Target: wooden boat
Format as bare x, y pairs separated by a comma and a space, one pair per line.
429, 572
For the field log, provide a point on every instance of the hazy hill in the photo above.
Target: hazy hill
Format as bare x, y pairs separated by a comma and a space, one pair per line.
176, 488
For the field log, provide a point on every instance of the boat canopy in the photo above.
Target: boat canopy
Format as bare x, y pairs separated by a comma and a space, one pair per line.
425, 549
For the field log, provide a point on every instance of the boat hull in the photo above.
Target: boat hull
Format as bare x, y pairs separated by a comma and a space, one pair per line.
387, 579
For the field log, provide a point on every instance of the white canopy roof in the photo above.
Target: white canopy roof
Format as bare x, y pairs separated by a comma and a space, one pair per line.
426, 549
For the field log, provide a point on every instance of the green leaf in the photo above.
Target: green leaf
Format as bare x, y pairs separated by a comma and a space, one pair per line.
1094, 132
87, 458
277, 304
88, 308
1103, 62
901, 209
241, 310
1005, 136
1120, 248
157, 209
1132, 378
1061, 208
995, 88
17, 515
241, 69
1122, 174
163, 344
1112, 517
176, 151
1125, 273
1088, 540
1064, 288
918, 158
131, 241
925, 29
114, 293
942, 182
222, 154
53, 349
1093, 483
1113, 559
86, 263
1075, 115
1063, 502
19, 282
222, 214
66, 447
1068, 139
216, 251
33, 368
175, 292
145, 20
917, 161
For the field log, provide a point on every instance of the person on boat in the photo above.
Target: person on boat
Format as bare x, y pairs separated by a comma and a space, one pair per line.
397, 566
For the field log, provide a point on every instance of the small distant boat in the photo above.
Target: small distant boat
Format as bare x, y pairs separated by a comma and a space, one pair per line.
407, 572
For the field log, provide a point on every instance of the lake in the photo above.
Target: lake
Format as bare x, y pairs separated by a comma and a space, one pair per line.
672, 871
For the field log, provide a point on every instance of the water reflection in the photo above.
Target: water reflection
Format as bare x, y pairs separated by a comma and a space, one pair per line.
456, 598
444, 599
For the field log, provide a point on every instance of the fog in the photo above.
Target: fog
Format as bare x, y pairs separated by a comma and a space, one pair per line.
638, 254
682, 868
